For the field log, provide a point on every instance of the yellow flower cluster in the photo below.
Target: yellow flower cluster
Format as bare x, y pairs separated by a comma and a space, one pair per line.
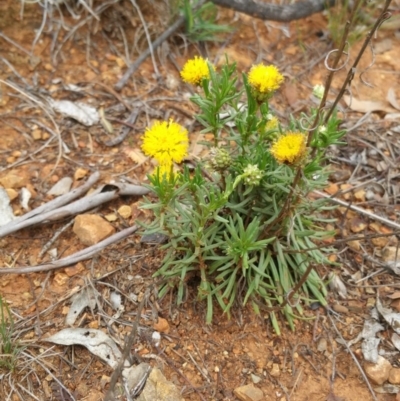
289, 148
195, 70
167, 143
264, 79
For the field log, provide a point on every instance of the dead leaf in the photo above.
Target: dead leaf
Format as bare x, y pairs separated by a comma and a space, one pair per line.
336, 285
366, 106
84, 113
97, 342
79, 302
393, 319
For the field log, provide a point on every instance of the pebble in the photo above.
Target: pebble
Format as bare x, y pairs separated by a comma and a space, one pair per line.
12, 180
248, 393
125, 211
378, 372
36, 134
91, 228
161, 325
111, 217
61, 187
80, 173
255, 379
322, 345
275, 371
159, 388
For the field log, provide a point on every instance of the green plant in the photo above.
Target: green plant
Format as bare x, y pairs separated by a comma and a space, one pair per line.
201, 21
242, 222
9, 349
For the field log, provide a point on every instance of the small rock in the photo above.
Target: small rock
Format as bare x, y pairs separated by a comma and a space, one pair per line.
159, 388
378, 372
255, 379
161, 325
322, 345
248, 393
80, 173
394, 376
61, 187
125, 211
111, 217
36, 134
275, 371
91, 228
13, 181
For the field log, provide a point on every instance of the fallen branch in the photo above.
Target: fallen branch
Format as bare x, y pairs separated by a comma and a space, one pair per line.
46, 213
274, 12
57, 202
86, 253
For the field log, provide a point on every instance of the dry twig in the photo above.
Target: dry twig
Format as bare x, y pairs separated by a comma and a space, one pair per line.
354, 359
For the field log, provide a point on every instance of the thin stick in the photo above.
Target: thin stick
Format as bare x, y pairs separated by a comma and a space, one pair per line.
146, 31
131, 70
357, 209
354, 358
54, 238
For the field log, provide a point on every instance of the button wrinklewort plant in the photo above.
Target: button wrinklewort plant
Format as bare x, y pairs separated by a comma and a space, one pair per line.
241, 224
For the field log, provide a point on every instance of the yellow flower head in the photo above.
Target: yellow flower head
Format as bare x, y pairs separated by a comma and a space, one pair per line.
195, 70
289, 148
264, 79
167, 142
